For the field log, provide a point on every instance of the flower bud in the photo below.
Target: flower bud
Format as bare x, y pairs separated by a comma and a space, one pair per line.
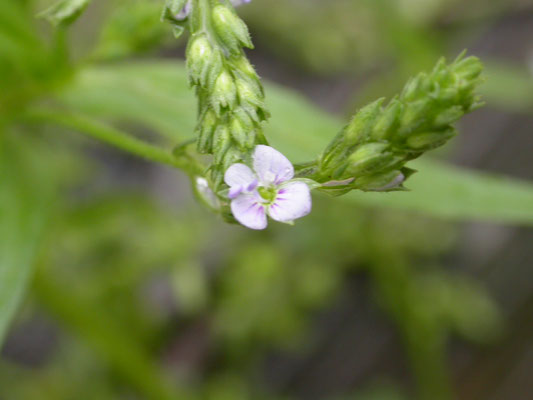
386, 121
221, 143
238, 132
411, 89
414, 113
362, 123
449, 116
243, 65
369, 157
205, 132
430, 140
442, 74
249, 92
231, 29
224, 92
205, 194
468, 69
231, 156
244, 118
380, 182
199, 55
449, 95
216, 66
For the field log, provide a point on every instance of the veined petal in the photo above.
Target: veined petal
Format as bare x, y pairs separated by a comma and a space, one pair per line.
239, 178
293, 201
249, 210
271, 167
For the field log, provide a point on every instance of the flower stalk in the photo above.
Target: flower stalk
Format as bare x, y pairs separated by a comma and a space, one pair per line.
371, 152
230, 95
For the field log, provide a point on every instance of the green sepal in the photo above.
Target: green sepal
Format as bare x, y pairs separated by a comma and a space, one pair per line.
231, 30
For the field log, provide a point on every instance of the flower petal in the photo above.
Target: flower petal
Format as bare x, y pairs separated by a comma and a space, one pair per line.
249, 210
239, 178
292, 201
271, 166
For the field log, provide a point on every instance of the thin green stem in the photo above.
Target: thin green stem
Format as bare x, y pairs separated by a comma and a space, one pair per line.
114, 137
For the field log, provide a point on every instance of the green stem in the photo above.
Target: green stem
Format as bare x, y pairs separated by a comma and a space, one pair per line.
114, 137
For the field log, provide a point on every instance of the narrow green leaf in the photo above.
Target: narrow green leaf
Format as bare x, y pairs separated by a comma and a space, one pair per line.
454, 193
23, 211
508, 86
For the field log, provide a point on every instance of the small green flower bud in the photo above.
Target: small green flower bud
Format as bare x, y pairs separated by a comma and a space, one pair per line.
380, 182
362, 124
442, 73
216, 66
238, 132
242, 64
205, 194
249, 93
253, 137
430, 140
231, 156
411, 89
369, 157
386, 121
449, 95
449, 116
221, 143
224, 92
199, 55
231, 29
253, 112
414, 114
468, 69
244, 118
205, 131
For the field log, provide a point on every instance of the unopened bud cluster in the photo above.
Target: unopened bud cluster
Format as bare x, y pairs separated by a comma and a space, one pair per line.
371, 152
230, 95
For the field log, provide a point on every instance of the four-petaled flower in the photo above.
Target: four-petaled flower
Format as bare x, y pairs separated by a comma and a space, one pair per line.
267, 190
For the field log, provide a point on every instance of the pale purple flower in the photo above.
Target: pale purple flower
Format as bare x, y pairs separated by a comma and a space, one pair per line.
268, 189
186, 10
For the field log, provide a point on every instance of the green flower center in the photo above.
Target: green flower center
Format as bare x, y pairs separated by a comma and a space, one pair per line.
268, 193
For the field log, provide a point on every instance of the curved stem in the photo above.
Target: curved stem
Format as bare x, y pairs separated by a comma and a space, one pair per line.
114, 137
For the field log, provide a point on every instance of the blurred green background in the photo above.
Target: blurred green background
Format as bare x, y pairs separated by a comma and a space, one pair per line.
116, 284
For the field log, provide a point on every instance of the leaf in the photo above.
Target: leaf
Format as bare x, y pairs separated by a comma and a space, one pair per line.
24, 201
508, 86
454, 193
64, 12
132, 28
156, 95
